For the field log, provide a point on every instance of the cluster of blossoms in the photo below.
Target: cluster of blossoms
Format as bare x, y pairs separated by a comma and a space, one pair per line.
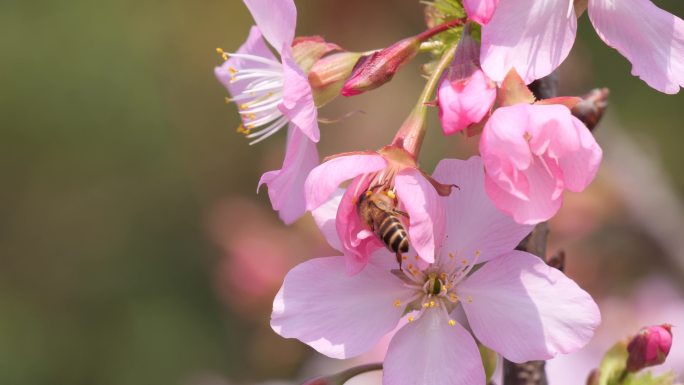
459, 283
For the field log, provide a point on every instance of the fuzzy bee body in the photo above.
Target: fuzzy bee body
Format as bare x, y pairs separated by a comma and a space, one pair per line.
378, 210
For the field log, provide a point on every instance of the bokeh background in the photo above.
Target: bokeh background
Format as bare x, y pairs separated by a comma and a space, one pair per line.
134, 249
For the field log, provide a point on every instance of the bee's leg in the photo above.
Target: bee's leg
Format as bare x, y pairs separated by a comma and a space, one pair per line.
399, 259
404, 213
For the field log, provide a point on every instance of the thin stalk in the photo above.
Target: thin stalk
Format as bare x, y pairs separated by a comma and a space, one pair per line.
412, 131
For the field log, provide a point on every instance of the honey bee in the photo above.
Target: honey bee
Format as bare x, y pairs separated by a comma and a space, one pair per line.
378, 210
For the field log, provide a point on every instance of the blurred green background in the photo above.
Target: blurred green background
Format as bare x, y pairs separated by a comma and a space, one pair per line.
118, 155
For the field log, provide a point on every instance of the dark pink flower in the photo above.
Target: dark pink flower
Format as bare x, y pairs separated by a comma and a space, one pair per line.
650, 347
531, 154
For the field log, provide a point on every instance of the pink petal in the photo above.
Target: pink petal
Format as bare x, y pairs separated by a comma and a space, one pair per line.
580, 167
532, 36
430, 352
286, 186
475, 225
425, 210
358, 242
276, 19
254, 45
325, 216
526, 310
480, 11
338, 315
298, 104
544, 200
324, 179
649, 37
464, 102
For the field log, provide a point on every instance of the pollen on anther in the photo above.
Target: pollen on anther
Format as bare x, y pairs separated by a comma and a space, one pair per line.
391, 194
416, 257
478, 253
232, 70
404, 257
223, 54
470, 299
397, 303
464, 261
453, 297
368, 193
452, 256
452, 322
410, 319
432, 304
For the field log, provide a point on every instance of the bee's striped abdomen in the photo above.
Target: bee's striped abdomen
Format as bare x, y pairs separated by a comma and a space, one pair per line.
393, 234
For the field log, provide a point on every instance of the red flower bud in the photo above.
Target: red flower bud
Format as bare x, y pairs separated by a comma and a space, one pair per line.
372, 71
650, 347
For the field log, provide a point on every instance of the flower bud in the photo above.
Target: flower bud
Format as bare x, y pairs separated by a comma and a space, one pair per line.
374, 70
328, 75
465, 94
649, 348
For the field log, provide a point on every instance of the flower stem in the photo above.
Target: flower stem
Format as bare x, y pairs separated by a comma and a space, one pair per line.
412, 131
439, 29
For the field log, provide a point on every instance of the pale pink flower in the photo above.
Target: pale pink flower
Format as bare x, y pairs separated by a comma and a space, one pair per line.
465, 95
271, 93
531, 154
480, 11
514, 304
391, 169
535, 36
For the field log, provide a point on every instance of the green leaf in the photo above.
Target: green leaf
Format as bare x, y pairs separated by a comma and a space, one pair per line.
489, 360
613, 364
648, 379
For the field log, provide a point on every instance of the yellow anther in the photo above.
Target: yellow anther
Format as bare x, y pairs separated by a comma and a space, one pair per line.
416, 257
252, 116
223, 54
397, 303
404, 257
368, 193
426, 304
432, 304
470, 299
410, 319
228, 100
453, 297
391, 194
478, 253
464, 261
232, 70
410, 266
452, 322
244, 106
442, 275
452, 256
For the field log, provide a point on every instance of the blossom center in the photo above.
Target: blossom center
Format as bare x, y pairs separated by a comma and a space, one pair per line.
436, 287
258, 93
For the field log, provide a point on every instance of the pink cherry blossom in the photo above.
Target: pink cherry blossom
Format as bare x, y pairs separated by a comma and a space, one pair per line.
535, 37
465, 94
393, 171
343, 316
531, 154
272, 93
480, 11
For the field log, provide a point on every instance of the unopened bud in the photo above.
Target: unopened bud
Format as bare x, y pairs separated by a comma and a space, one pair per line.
378, 68
328, 74
649, 347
